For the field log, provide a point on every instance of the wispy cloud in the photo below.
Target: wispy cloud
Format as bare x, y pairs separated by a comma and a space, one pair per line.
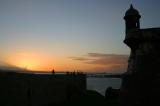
108, 59
113, 62
80, 58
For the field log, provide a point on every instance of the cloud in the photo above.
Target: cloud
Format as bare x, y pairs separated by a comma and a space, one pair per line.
106, 62
80, 58
108, 59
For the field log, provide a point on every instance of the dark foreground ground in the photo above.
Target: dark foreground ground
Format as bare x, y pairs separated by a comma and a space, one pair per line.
90, 98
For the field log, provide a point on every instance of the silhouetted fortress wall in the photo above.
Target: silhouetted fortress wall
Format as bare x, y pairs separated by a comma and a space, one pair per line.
19, 89
141, 82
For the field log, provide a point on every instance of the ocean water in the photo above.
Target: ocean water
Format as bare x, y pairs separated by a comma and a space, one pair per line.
101, 84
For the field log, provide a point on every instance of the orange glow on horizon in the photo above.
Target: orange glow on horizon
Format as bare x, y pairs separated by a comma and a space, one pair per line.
34, 61
41, 62
31, 61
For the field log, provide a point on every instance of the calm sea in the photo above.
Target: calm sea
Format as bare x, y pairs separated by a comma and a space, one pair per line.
101, 84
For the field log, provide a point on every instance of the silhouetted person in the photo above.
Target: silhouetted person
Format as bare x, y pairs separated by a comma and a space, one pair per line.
53, 72
108, 93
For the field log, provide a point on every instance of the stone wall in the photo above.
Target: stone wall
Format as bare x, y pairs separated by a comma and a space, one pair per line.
19, 89
141, 82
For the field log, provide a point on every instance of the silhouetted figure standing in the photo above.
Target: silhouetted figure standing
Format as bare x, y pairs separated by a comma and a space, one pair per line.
109, 93
53, 71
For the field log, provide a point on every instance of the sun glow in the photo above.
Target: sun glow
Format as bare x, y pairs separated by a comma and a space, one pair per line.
27, 63
31, 61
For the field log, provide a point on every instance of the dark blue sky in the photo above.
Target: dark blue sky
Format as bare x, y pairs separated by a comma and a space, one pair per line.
66, 28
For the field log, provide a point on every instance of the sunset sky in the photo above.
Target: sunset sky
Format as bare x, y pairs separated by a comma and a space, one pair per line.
67, 35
